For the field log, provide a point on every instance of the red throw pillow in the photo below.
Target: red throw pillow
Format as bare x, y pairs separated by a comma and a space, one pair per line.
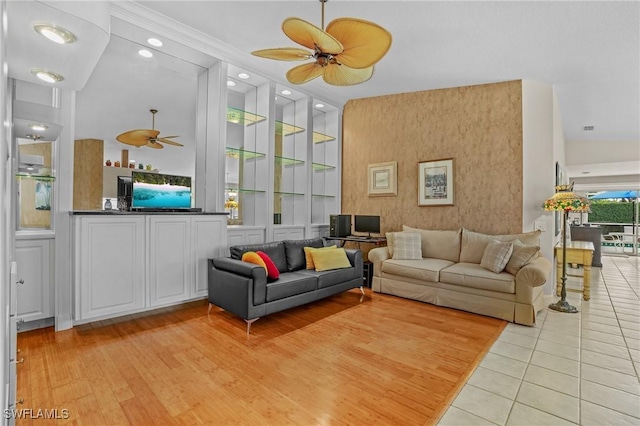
272, 271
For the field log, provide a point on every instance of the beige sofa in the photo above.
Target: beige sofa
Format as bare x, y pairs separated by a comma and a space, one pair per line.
450, 274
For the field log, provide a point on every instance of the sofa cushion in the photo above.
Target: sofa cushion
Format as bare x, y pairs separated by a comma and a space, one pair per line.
423, 269
496, 256
326, 260
521, 256
438, 244
333, 277
274, 250
272, 271
474, 243
294, 250
407, 246
475, 276
309, 258
290, 284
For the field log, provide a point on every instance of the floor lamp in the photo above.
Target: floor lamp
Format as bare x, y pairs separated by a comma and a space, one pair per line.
566, 201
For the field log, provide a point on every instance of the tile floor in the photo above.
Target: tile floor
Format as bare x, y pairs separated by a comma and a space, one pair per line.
579, 368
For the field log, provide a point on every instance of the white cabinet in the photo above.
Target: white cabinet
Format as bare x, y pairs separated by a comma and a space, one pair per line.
131, 263
170, 271
242, 235
288, 233
34, 292
109, 265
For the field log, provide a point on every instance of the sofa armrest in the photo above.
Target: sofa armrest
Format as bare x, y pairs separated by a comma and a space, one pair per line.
377, 256
234, 279
534, 274
355, 258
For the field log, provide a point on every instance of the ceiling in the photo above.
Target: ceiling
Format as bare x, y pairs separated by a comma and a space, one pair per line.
589, 51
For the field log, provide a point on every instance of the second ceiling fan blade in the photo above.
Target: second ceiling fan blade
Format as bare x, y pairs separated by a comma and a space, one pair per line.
310, 36
365, 43
342, 75
169, 142
303, 73
284, 54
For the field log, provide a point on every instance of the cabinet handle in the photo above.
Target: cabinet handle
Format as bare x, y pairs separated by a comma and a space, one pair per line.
20, 281
20, 361
20, 401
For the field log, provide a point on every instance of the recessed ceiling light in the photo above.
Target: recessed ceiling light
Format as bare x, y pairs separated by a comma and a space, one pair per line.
48, 76
154, 42
286, 92
34, 137
319, 105
38, 127
145, 53
231, 83
588, 128
243, 75
55, 34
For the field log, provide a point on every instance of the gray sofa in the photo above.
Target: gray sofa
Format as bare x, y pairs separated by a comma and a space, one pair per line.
243, 289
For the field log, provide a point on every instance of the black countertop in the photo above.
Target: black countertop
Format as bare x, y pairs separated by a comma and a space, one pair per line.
140, 213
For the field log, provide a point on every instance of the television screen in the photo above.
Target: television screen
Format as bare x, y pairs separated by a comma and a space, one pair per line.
160, 191
369, 224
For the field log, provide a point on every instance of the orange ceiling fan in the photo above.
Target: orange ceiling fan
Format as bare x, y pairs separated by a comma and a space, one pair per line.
147, 137
344, 54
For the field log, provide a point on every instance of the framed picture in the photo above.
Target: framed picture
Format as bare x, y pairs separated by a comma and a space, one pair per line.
383, 179
435, 183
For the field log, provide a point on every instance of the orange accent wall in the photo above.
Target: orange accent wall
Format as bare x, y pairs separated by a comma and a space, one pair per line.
480, 127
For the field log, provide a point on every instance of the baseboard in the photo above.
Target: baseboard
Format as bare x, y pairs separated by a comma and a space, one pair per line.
36, 324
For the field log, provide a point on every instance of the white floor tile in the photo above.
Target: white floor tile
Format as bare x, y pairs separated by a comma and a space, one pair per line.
511, 351
633, 334
495, 382
614, 399
624, 382
524, 415
605, 348
556, 363
457, 417
603, 337
504, 365
596, 415
518, 339
610, 329
482, 403
553, 380
590, 319
560, 338
632, 343
606, 361
549, 401
630, 318
626, 311
558, 349
522, 329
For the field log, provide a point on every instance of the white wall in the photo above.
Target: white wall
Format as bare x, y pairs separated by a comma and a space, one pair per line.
5, 210
543, 145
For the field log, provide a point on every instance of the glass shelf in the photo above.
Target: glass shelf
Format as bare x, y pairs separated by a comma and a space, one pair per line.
317, 167
287, 129
321, 137
288, 193
246, 190
238, 116
36, 177
247, 155
323, 196
283, 161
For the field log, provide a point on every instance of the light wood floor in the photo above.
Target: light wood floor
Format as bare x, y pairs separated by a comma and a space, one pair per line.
384, 360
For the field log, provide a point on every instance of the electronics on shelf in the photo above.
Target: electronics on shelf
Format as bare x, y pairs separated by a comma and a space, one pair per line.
368, 224
339, 225
159, 191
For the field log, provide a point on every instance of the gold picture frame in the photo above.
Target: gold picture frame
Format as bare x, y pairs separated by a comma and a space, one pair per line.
435, 183
383, 179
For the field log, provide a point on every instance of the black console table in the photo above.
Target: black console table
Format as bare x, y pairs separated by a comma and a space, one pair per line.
379, 241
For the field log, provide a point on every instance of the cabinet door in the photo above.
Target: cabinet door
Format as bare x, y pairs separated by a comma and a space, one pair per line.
109, 266
34, 294
208, 241
170, 263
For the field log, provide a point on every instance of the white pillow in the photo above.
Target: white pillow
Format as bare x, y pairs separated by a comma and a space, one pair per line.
496, 256
407, 246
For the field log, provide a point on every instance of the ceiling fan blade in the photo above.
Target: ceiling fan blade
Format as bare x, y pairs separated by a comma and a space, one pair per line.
153, 144
303, 73
342, 75
284, 54
170, 137
168, 142
310, 36
364, 42
138, 137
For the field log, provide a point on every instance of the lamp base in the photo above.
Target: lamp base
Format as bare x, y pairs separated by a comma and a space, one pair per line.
563, 306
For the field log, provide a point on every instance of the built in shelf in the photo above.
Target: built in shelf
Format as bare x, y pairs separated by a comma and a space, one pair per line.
321, 137
238, 116
286, 129
323, 196
246, 190
284, 161
243, 153
317, 167
36, 177
287, 193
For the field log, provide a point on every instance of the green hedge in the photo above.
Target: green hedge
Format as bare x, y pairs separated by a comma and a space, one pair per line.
611, 212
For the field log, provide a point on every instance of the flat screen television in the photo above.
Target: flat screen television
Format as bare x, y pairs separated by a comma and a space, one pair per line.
368, 224
159, 191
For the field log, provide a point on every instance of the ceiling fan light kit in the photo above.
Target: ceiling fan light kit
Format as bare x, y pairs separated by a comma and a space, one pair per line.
147, 137
344, 54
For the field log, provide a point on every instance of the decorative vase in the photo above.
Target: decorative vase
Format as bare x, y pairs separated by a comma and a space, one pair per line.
107, 204
108, 163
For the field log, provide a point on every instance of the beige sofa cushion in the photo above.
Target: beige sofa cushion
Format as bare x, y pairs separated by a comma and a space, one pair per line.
439, 244
475, 276
424, 269
496, 256
521, 256
473, 244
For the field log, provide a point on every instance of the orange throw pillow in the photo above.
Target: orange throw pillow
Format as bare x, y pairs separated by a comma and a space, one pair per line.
252, 257
272, 270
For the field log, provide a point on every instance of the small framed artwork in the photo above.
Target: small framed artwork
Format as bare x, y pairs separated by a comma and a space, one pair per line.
435, 183
383, 179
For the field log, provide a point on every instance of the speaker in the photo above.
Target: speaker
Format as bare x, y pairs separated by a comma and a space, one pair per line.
339, 225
